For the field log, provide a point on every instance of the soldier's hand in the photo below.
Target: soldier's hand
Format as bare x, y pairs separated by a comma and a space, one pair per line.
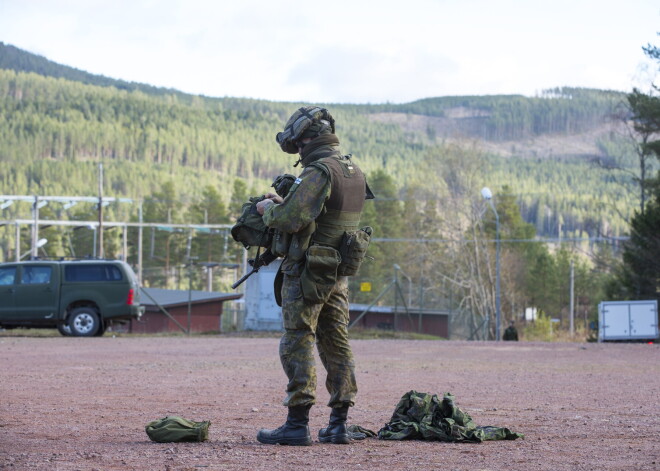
275, 198
262, 205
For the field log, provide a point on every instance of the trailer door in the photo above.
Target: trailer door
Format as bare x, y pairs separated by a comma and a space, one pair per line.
616, 321
643, 321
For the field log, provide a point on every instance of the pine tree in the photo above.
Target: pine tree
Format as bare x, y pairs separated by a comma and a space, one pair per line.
639, 276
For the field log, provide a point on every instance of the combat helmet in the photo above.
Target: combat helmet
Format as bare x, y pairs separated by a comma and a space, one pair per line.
308, 121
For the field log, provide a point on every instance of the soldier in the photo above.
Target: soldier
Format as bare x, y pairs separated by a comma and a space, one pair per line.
323, 204
511, 333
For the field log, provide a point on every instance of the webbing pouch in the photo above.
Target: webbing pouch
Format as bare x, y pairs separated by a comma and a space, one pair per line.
320, 273
353, 250
300, 242
280, 244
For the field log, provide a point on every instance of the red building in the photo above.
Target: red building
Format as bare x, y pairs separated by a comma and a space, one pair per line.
426, 321
167, 311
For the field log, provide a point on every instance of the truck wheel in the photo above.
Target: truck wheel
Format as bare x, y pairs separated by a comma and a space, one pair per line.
64, 329
83, 322
101, 330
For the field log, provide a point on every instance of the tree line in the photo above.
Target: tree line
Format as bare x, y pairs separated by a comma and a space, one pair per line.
58, 127
194, 159
637, 276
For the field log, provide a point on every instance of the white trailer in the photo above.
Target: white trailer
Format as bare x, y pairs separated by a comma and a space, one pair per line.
627, 320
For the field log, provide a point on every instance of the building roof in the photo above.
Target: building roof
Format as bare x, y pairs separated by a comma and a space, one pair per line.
177, 297
399, 310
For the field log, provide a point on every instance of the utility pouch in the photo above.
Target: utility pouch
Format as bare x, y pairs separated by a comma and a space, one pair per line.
320, 273
353, 250
300, 242
280, 244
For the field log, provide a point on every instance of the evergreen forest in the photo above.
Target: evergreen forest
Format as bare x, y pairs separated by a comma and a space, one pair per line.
563, 168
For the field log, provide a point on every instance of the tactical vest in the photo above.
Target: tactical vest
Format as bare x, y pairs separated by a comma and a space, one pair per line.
343, 209
340, 214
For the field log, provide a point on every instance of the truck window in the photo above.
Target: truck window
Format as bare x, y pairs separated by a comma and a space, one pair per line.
36, 275
92, 273
7, 276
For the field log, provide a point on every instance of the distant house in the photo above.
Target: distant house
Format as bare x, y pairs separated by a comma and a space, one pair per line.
205, 310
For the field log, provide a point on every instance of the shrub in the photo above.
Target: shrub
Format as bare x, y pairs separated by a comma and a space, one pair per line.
539, 330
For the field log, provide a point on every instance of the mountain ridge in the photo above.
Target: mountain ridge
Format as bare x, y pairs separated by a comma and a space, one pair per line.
147, 136
20, 60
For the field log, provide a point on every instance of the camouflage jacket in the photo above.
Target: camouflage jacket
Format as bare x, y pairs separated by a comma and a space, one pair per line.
425, 416
302, 205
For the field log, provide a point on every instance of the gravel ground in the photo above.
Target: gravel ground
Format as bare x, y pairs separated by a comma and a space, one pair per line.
82, 404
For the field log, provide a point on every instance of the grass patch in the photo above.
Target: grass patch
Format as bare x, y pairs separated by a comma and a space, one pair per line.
543, 330
355, 334
21, 332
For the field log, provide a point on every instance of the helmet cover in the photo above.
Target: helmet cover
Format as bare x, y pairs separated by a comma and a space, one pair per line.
299, 122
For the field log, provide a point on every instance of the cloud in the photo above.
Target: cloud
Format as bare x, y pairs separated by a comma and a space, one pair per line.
359, 75
347, 51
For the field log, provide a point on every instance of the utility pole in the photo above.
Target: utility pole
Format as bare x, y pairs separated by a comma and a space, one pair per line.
17, 242
488, 196
191, 263
572, 303
140, 243
100, 231
35, 227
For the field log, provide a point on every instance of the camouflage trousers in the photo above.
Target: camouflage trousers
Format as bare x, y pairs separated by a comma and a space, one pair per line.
327, 326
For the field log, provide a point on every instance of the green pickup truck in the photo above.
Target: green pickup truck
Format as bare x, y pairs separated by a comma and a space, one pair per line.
78, 297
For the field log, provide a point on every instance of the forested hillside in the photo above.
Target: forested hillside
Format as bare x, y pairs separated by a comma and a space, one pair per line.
59, 121
560, 165
13, 58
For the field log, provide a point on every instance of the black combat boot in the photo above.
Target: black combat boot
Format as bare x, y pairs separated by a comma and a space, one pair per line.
295, 430
336, 431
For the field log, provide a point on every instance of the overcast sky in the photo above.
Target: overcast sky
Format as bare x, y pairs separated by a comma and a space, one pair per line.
344, 51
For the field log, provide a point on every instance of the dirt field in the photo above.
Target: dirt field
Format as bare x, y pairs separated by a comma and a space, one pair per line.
82, 404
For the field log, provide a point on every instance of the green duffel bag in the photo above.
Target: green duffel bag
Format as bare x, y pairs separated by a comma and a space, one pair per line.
177, 429
320, 273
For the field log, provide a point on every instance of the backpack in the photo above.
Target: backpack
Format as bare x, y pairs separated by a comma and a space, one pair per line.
250, 229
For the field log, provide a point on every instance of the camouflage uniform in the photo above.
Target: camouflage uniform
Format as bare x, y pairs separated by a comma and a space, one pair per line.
511, 333
304, 323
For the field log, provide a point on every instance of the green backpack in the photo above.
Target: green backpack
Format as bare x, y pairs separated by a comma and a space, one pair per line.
250, 229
